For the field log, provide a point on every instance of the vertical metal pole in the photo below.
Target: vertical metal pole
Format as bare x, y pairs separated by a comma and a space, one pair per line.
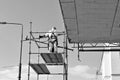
64, 41
20, 64
38, 61
65, 69
66, 65
64, 44
29, 51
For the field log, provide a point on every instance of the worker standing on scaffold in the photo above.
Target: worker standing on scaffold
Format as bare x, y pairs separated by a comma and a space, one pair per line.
52, 40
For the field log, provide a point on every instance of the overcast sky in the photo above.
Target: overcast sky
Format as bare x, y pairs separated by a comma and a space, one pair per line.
44, 14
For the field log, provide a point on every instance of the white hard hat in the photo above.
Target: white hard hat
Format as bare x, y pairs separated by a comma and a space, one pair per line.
54, 28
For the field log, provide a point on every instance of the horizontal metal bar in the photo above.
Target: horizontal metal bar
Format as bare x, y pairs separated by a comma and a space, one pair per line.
98, 47
43, 47
48, 53
53, 74
57, 46
48, 32
95, 50
49, 64
53, 64
47, 43
65, 48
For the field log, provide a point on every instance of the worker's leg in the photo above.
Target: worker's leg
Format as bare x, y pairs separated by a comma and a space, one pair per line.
51, 47
55, 47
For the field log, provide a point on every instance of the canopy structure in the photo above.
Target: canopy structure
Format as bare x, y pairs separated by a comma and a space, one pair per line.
92, 21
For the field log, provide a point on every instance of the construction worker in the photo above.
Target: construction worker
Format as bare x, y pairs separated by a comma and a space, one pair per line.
52, 40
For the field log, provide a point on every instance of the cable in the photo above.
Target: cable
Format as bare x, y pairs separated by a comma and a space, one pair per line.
97, 73
80, 47
78, 53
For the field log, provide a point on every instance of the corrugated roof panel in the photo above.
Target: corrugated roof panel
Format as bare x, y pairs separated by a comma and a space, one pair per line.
69, 10
94, 18
66, 0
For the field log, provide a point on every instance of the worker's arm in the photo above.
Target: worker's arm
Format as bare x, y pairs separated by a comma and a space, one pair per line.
44, 36
41, 36
59, 34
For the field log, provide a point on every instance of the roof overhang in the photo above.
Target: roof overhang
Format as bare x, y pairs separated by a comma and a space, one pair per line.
91, 21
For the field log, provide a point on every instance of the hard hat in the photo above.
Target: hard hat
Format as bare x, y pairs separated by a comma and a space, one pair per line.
54, 28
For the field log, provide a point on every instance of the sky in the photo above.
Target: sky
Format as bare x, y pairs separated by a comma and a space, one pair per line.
44, 14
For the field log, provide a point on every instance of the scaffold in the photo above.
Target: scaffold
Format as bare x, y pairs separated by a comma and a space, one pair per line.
46, 58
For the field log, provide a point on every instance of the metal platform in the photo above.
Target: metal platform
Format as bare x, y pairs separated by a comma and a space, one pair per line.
52, 58
40, 68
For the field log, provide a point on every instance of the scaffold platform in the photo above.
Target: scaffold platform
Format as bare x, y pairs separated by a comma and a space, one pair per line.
40, 68
55, 58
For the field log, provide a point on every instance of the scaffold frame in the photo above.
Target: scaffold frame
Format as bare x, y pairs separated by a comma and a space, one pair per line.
49, 57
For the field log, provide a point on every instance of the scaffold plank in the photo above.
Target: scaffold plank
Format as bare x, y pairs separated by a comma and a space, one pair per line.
52, 58
40, 68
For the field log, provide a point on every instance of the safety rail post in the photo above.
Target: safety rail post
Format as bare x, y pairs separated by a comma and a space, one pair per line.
38, 61
66, 58
29, 51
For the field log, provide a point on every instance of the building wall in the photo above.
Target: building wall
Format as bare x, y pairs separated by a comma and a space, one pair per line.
115, 61
115, 66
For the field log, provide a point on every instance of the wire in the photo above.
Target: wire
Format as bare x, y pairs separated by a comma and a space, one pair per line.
97, 73
79, 47
78, 53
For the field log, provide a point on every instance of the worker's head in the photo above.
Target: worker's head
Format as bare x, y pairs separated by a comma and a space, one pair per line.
53, 28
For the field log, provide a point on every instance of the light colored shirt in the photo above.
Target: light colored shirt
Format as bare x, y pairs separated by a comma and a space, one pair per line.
50, 33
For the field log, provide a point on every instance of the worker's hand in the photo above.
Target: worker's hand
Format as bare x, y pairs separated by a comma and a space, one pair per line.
41, 36
26, 38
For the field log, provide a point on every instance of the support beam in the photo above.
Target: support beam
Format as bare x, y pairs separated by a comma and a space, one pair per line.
106, 66
97, 50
